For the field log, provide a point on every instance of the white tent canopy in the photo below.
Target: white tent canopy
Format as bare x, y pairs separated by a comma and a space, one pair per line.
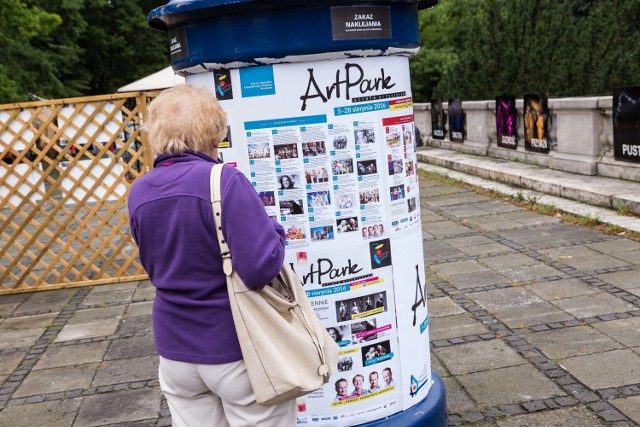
161, 80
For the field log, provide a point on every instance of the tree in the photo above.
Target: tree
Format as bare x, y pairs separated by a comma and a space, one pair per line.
119, 45
478, 49
65, 48
442, 29
25, 69
62, 49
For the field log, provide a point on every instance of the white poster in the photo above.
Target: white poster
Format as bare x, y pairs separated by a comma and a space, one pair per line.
329, 147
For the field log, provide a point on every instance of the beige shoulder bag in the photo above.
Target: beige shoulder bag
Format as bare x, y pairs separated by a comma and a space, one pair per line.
287, 351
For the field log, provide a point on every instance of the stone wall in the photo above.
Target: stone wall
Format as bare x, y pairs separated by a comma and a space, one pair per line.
581, 136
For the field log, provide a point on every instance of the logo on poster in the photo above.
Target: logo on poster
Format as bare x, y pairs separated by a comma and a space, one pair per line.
380, 252
324, 269
354, 80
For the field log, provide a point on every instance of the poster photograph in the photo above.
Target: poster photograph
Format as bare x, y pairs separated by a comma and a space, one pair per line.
626, 124
506, 114
456, 120
536, 123
438, 130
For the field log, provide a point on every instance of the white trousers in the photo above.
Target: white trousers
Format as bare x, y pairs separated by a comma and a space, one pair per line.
217, 396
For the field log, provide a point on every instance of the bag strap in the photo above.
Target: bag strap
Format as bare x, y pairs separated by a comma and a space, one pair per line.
216, 205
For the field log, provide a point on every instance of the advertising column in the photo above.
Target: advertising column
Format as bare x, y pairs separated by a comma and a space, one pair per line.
320, 119
329, 146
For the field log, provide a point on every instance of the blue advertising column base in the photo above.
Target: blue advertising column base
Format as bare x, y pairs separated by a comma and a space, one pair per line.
431, 412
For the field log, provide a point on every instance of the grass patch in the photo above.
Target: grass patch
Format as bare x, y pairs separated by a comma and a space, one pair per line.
626, 211
584, 220
444, 179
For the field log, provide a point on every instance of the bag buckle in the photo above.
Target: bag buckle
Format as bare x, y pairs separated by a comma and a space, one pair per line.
324, 371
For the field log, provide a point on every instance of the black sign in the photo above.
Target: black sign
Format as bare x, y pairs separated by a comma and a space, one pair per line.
506, 114
438, 129
626, 124
178, 44
456, 120
352, 23
536, 123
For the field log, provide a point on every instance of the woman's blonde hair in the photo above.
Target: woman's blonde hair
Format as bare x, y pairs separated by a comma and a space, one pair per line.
183, 118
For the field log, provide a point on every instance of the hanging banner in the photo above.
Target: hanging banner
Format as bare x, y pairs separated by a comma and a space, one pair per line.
438, 129
329, 147
626, 124
456, 120
536, 123
506, 114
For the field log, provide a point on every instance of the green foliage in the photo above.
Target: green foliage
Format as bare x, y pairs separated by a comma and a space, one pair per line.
119, 45
477, 49
64, 48
20, 24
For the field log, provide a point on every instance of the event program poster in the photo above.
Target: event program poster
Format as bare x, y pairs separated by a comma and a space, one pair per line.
437, 119
506, 114
456, 120
626, 124
329, 147
536, 123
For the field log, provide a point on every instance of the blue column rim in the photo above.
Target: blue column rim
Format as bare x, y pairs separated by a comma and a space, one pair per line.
178, 12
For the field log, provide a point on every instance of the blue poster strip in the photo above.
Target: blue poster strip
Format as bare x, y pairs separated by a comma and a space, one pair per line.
257, 81
423, 325
361, 108
289, 121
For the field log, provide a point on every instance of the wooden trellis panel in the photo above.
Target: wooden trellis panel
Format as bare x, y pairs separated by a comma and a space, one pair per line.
65, 171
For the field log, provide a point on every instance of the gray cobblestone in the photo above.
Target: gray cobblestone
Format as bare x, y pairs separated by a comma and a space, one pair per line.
472, 416
512, 409
454, 420
34, 399
73, 393
611, 415
16, 402
609, 393
599, 406
534, 406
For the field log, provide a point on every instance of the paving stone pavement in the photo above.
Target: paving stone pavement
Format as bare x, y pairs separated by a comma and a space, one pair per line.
533, 323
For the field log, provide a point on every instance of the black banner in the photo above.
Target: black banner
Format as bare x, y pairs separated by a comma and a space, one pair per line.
438, 129
456, 120
626, 124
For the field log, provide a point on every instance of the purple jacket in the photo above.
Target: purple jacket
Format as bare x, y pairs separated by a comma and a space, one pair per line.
172, 222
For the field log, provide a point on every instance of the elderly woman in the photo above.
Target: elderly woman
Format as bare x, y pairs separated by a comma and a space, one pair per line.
201, 371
